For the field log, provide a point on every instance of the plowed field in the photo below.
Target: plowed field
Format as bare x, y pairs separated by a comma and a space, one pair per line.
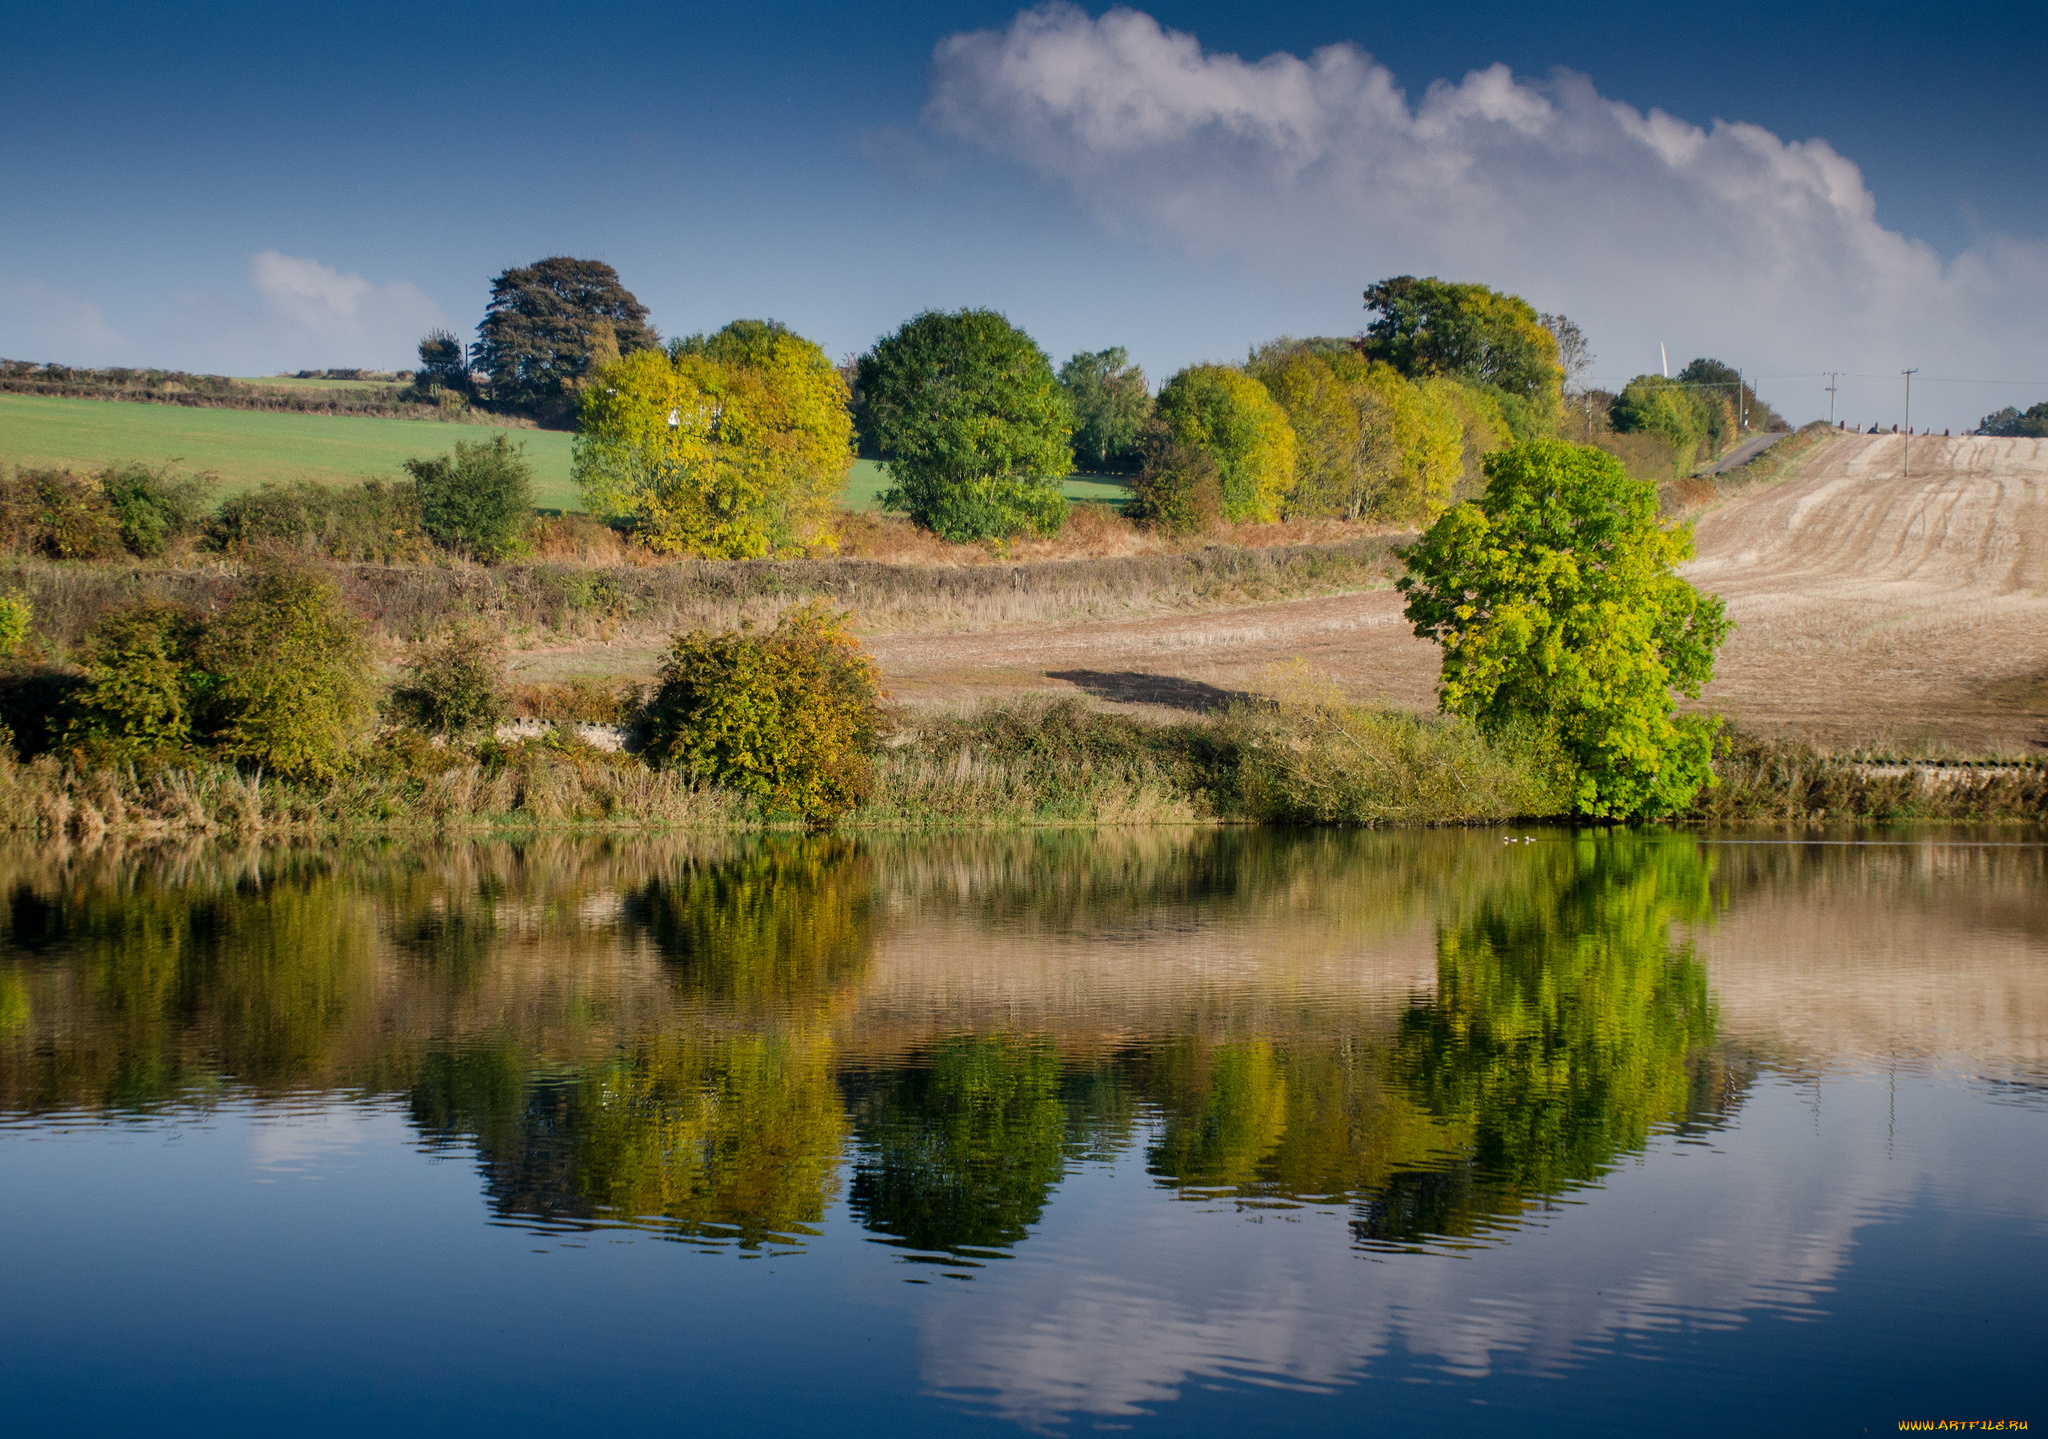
1872, 607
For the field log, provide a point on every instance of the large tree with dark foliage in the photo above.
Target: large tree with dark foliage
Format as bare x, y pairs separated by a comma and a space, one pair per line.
976, 428
1436, 327
2011, 422
548, 323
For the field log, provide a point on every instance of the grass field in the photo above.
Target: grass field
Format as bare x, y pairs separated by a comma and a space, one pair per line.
865, 485
292, 382
244, 448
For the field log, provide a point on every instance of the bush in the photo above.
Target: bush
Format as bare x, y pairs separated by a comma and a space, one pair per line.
152, 506
289, 667
457, 686
15, 614
129, 509
789, 718
143, 690
476, 501
1180, 488
60, 515
372, 522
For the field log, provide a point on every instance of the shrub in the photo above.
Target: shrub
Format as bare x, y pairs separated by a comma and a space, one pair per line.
789, 718
122, 509
289, 666
15, 614
1180, 488
152, 506
476, 501
372, 522
59, 514
456, 686
143, 686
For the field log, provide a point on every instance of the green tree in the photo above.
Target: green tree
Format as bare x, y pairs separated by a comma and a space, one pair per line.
734, 445
1556, 599
1229, 414
289, 665
477, 500
545, 326
443, 365
1111, 405
1687, 416
974, 425
1741, 408
1437, 327
2013, 422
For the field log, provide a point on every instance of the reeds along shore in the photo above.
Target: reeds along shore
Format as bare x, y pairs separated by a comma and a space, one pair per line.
1017, 764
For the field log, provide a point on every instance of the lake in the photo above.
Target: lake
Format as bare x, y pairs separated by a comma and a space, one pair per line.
1179, 1132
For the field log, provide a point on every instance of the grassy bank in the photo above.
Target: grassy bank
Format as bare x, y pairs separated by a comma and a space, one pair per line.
1026, 763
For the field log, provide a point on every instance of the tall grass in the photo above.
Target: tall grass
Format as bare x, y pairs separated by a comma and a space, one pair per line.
1778, 781
625, 602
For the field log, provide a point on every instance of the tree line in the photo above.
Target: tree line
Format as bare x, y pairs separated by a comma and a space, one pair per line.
736, 444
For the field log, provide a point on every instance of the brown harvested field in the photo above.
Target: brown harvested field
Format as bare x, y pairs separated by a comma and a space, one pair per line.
1909, 614
1872, 609
1875, 604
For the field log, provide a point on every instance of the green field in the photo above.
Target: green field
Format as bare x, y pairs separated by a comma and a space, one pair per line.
865, 485
292, 382
244, 448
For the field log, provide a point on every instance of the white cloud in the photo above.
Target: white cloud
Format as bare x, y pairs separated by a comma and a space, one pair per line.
297, 313
1724, 240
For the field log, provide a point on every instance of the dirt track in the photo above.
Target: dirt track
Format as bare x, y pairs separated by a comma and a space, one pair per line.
1871, 608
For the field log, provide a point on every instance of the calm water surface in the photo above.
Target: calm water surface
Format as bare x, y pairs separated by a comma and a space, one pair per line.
1172, 1132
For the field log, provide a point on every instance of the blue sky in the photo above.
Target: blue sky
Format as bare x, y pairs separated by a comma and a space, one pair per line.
256, 188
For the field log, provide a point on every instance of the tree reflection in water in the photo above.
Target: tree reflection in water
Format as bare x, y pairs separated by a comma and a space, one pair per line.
674, 1034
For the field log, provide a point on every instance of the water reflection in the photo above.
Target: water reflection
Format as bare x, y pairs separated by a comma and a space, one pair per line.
714, 1040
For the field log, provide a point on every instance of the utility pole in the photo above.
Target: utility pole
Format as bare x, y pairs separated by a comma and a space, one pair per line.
1741, 418
1833, 375
1906, 465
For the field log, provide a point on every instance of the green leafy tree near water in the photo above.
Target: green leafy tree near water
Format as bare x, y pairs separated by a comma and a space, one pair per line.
975, 426
1557, 600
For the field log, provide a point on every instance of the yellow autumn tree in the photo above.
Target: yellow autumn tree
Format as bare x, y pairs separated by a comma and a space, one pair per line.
1228, 415
734, 445
1372, 444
